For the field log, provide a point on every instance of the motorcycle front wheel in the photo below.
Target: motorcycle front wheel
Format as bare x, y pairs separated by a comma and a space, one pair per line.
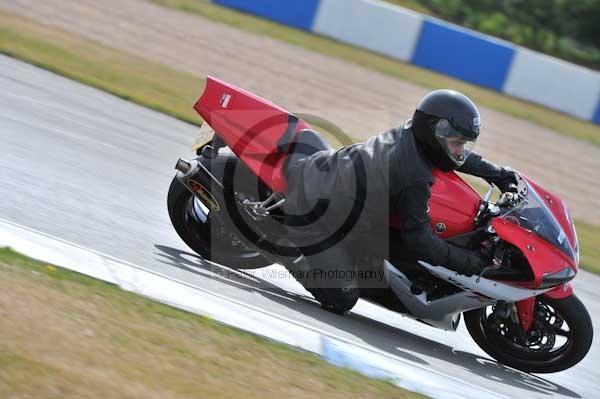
559, 338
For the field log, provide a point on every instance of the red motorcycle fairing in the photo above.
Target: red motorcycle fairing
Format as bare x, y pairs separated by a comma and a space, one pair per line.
257, 131
543, 257
559, 209
560, 292
453, 204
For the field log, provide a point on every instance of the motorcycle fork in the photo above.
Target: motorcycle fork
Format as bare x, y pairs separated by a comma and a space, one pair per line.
526, 309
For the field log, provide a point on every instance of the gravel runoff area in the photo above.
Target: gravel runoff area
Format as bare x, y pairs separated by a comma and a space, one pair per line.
355, 98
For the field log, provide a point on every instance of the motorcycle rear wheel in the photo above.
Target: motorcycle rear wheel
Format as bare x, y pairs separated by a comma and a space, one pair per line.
208, 238
560, 337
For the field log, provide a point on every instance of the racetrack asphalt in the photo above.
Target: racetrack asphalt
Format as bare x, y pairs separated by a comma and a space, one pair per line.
92, 169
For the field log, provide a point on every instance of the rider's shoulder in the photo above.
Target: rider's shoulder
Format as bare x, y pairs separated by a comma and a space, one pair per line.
392, 136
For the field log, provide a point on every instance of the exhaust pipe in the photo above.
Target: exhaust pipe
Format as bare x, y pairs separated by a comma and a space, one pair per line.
183, 166
188, 169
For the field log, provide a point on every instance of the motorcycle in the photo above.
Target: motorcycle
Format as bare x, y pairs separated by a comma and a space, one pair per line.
226, 205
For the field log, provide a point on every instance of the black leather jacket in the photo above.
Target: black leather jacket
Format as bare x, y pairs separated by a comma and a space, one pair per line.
386, 174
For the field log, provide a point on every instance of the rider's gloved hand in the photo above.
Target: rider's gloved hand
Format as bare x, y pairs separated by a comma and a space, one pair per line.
467, 262
508, 199
475, 263
507, 180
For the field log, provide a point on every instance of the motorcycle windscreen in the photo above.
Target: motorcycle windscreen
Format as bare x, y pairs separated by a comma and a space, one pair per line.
532, 214
559, 210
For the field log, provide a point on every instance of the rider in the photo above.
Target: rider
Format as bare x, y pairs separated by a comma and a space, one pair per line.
390, 173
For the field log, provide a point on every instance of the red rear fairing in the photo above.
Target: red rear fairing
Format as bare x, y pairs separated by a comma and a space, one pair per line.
257, 131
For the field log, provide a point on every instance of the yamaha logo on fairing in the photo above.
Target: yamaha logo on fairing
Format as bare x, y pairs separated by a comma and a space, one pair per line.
440, 228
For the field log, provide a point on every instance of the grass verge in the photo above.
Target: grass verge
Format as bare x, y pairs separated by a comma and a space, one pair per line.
70, 336
132, 78
589, 243
521, 109
149, 84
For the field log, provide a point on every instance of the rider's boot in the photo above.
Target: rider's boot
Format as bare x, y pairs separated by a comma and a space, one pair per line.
330, 280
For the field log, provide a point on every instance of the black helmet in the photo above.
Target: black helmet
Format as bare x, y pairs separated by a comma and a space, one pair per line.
446, 125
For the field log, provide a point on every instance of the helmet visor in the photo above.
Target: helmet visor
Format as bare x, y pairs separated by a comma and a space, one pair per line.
457, 145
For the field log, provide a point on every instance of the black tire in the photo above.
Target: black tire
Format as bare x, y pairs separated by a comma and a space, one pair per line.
513, 352
197, 234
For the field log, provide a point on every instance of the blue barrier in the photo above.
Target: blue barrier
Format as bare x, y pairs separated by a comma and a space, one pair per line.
597, 113
296, 13
463, 54
442, 47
